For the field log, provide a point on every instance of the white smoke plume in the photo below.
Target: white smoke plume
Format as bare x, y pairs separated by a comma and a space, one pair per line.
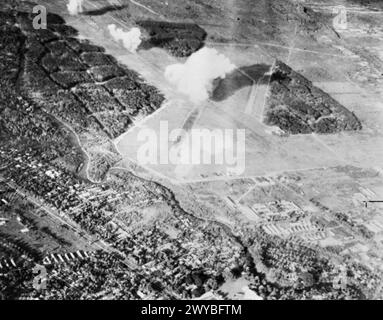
195, 77
75, 7
131, 39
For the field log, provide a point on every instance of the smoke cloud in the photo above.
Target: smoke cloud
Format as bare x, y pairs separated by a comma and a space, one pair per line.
75, 7
195, 77
131, 40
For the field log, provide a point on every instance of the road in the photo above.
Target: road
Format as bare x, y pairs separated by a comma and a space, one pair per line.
145, 7
78, 143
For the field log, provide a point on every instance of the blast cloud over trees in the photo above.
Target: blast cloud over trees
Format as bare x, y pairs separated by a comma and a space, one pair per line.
195, 77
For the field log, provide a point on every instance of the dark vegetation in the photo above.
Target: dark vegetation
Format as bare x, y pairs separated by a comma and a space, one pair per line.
296, 106
180, 39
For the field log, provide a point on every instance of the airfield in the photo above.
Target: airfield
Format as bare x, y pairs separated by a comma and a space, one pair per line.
333, 67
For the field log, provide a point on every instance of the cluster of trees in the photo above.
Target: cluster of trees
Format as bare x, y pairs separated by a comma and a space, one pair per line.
296, 106
180, 39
